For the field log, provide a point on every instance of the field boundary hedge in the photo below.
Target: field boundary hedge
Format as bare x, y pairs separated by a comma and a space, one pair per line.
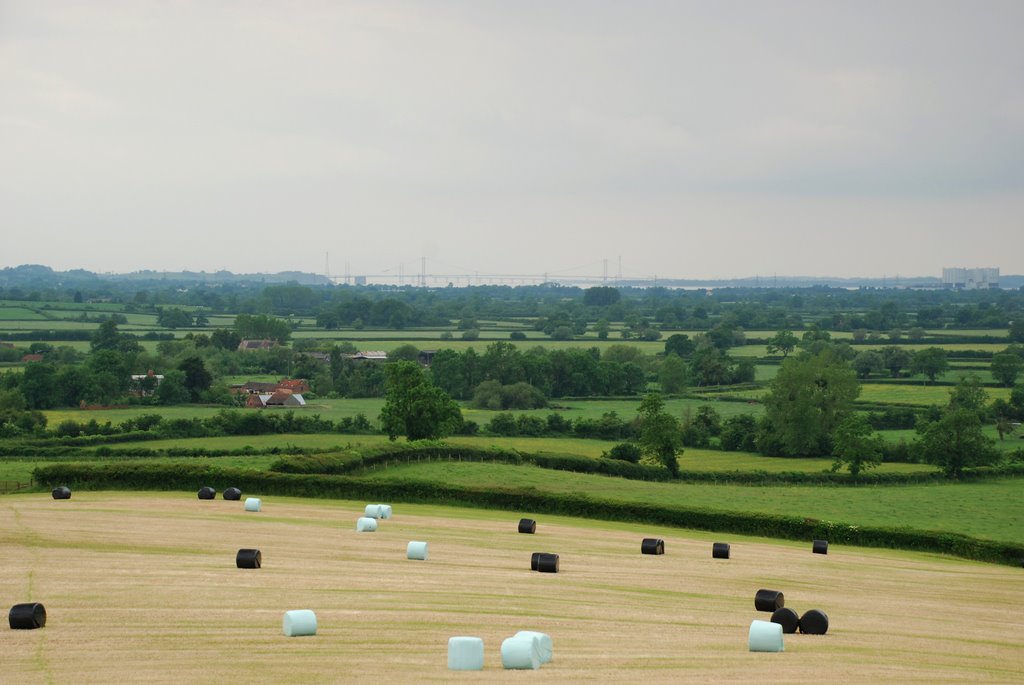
193, 476
354, 462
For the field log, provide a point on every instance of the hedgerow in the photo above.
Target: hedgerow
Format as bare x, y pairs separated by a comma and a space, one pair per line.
150, 476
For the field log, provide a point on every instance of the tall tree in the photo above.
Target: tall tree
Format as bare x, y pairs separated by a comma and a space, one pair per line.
1017, 330
601, 296
866, 363
415, 407
1005, 368
784, 342
660, 434
807, 399
895, 359
956, 442
673, 374
197, 378
929, 362
855, 445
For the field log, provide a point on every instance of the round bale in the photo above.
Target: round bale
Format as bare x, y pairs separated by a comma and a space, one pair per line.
465, 653
249, 558
764, 636
652, 546
232, 494
27, 616
527, 526
786, 618
253, 504
373, 511
720, 550
769, 600
544, 646
365, 524
385, 511
299, 622
535, 559
207, 493
61, 493
547, 563
814, 622
416, 550
521, 651
819, 547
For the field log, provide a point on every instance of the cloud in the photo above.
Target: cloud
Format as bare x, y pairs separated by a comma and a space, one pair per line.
583, 130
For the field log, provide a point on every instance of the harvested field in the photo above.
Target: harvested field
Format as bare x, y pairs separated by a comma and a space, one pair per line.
143, 588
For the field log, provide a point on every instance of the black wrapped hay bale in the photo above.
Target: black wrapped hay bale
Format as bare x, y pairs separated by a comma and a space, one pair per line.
769, 600
27, 616
814, 622
233, 494
207, 493
547, 563
820, 547
652, 546
527, 526
786, 618
248, 558
61, 493
535, 559
720, 550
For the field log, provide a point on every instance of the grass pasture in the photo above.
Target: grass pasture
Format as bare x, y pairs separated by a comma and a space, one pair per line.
946, 507
923, 395
143, 588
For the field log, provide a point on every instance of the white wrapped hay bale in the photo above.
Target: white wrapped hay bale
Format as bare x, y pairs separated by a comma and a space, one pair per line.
253, 504
416, 550
365, 524
377, 511
544, 645
765, 636
520, 652
465, 653
299, 622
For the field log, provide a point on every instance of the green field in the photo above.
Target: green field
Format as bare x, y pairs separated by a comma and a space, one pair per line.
956, 507
370, 407
923, 395
8, 314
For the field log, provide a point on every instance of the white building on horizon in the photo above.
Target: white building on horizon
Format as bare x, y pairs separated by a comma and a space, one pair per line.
959, 278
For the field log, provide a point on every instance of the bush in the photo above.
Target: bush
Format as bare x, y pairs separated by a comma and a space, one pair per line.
503, 424
893, 418
625, 451
739, 433
530, 425
558, 424
493, 395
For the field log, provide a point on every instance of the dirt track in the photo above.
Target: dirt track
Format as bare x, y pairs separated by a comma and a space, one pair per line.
143, 588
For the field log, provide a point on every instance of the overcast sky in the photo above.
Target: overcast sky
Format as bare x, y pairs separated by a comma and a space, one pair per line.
689, 139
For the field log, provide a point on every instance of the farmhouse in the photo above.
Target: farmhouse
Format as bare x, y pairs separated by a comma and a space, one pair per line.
369, 356
256, 345
27, 358
253, 388
322, 357
295, 385
281, 398
144, 384
292, 385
